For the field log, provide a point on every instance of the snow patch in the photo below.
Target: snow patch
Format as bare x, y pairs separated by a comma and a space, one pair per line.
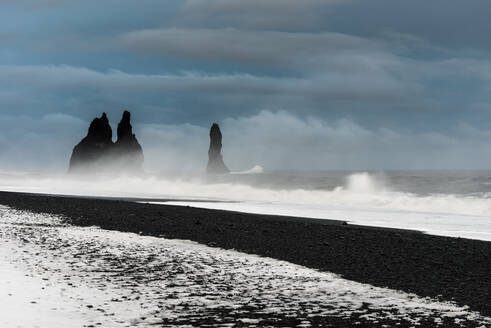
90, 276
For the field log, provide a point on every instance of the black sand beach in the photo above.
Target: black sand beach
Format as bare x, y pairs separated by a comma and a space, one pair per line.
446, 268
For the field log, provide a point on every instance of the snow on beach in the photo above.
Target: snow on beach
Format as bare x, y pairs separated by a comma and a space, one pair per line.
55, 275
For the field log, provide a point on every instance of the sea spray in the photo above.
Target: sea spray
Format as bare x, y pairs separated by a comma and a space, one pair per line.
358, 197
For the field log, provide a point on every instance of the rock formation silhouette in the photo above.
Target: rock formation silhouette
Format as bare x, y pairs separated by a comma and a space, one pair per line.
97, 152
92, 150
127, 147
215, 159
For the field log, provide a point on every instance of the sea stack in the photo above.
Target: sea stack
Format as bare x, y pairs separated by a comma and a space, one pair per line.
215, 159
127, 149
97, 152
92, 151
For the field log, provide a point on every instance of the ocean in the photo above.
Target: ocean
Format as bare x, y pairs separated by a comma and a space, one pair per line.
442, 202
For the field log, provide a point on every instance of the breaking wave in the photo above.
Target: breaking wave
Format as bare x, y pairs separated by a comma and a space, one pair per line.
256, 169
362, 198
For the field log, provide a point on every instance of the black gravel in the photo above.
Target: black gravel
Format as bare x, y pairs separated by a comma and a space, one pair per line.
442, 267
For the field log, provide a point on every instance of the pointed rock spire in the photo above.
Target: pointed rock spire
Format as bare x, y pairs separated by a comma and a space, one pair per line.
125, 130
127, 146
94, 146
100, 129
215, 159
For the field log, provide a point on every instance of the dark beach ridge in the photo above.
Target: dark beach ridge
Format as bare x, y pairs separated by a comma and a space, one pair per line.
445, 268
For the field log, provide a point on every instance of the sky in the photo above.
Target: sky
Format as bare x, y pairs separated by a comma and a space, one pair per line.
312, 84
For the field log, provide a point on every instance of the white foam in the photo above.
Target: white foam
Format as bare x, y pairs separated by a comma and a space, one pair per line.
362, 200
256, 169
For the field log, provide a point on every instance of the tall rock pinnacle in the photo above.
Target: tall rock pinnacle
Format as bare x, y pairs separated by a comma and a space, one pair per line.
92, 150
125, 130
127, 146
215, 159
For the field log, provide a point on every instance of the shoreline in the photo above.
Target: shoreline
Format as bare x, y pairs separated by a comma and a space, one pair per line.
452, 269
164, 201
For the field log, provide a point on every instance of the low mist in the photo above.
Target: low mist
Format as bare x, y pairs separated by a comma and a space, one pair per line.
341, 189
273, 140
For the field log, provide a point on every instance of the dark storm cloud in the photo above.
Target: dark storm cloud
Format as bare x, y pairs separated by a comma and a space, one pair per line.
450, 23
286, 15
32, 3
264, 48
331, 67
77, 88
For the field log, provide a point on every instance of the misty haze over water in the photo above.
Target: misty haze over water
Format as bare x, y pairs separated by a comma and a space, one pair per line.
420, 182
453, 203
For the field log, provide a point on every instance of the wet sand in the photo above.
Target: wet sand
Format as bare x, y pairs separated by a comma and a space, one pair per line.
443, 268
